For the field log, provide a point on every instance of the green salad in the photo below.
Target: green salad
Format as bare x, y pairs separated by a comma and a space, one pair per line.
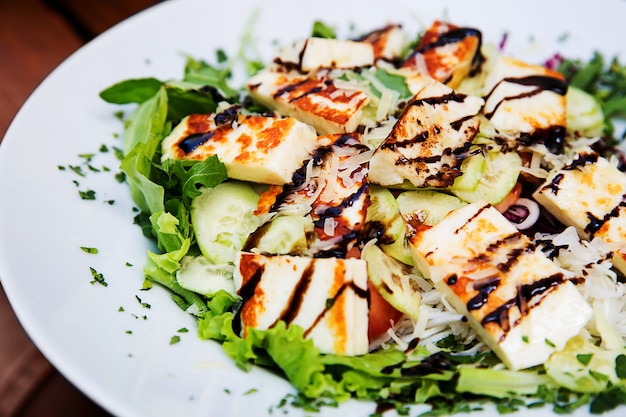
401, 218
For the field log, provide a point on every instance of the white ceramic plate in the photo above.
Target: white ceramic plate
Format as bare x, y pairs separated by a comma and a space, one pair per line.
123, 359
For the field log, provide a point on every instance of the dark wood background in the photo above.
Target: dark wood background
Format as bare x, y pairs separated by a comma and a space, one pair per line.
36, 36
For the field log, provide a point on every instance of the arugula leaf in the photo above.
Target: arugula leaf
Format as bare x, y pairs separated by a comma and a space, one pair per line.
394, 82
607, 84
193, 174
188, 99
322, 30
200, 72
135, 90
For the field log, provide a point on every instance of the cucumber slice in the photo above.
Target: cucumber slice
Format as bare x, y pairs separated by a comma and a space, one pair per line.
384, 217
498, 178
223, 218
427, 206
584, 114
199, 275
472, 169
392, 280
284, 235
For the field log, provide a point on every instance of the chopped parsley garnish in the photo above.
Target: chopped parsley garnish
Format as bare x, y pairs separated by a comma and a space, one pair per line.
87, 195
120, 177
175, 339
97, 277
144, 305
584, 358
77, 169
86, 156
86, 249
119, 154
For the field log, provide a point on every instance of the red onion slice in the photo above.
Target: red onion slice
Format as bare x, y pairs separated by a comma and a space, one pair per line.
523, 213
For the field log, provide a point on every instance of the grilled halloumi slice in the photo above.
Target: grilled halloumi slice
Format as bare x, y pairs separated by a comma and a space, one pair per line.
589, 194
312, 54
327, 297
329, 105
388, 42
526, 102
334, 190
447, 52
430, 140
254, 148
516, 299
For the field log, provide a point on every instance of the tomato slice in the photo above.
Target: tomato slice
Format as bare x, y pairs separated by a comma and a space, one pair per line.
382, 315
510, 198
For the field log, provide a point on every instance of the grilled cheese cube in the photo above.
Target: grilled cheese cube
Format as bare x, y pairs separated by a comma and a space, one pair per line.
447, 52
429, 141
340, 209
312, 54
516, 299
526, 101
330, 106
334, 191
589, 194
388, 42
327, 297
253, 148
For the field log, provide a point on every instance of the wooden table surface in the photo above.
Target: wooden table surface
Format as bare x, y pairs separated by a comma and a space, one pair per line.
36, 36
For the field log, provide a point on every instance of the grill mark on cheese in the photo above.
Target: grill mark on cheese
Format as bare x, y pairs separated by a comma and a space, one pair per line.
454, 154
468, 221
393, 145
